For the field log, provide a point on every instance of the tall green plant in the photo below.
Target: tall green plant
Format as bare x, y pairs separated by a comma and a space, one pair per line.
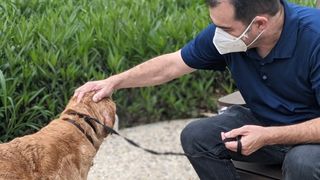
15, 117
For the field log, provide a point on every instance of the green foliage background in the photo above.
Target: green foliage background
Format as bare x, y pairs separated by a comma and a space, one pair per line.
50, 47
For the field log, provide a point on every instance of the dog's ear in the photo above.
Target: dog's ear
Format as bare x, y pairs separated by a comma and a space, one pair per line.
108, 119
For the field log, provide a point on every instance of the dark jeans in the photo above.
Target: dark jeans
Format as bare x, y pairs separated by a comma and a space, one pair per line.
298, 162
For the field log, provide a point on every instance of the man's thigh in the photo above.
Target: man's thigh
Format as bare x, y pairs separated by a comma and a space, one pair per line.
234, 117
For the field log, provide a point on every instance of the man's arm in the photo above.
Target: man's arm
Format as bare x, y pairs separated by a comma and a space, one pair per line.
307, 132
255, 137
156, 71
152, 72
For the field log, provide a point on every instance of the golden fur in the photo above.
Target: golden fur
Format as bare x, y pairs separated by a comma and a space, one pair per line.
59, 150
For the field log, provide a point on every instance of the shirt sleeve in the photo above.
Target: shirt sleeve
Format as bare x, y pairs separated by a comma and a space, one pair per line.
200, 53
315, 73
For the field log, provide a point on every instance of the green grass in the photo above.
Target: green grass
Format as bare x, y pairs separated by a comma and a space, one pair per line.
50, 47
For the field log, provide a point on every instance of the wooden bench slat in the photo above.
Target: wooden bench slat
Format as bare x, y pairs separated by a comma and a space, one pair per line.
259, 170
249, 176
231, 99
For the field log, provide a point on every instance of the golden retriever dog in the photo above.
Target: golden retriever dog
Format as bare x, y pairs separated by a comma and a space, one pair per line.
64, 149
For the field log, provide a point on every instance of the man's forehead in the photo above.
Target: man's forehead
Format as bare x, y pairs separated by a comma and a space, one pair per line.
222, 15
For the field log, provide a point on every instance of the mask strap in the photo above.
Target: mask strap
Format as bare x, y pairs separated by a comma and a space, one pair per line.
256, 38
247, 29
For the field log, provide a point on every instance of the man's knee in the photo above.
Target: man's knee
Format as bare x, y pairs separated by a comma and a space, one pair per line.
302, 162
188, 136
198, 136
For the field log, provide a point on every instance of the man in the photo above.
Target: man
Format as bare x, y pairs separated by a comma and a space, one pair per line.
272, 49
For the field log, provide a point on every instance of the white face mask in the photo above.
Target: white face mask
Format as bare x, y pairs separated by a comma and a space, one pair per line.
226, 43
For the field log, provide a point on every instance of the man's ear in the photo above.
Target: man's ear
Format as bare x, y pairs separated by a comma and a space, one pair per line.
262, 22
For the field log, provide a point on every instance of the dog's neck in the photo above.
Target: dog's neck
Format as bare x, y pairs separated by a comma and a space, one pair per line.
89, 126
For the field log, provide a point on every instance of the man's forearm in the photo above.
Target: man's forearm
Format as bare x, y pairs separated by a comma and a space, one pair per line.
306, 132
153, 72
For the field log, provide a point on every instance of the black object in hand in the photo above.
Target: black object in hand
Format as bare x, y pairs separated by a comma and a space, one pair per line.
239, 145
230, 139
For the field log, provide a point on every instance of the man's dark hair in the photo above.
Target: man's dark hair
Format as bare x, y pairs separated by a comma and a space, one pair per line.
246, 10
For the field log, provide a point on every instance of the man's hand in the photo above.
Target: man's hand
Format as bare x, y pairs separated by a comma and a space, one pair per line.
103, 88
253, 138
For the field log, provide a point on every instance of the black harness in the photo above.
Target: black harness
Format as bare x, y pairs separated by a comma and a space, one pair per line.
81, 129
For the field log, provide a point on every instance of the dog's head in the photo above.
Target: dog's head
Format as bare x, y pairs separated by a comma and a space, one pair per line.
104, 111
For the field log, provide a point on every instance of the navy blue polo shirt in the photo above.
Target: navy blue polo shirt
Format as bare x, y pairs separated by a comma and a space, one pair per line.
283, 87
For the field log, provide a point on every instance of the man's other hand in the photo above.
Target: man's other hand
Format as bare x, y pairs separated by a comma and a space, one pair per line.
253, 138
